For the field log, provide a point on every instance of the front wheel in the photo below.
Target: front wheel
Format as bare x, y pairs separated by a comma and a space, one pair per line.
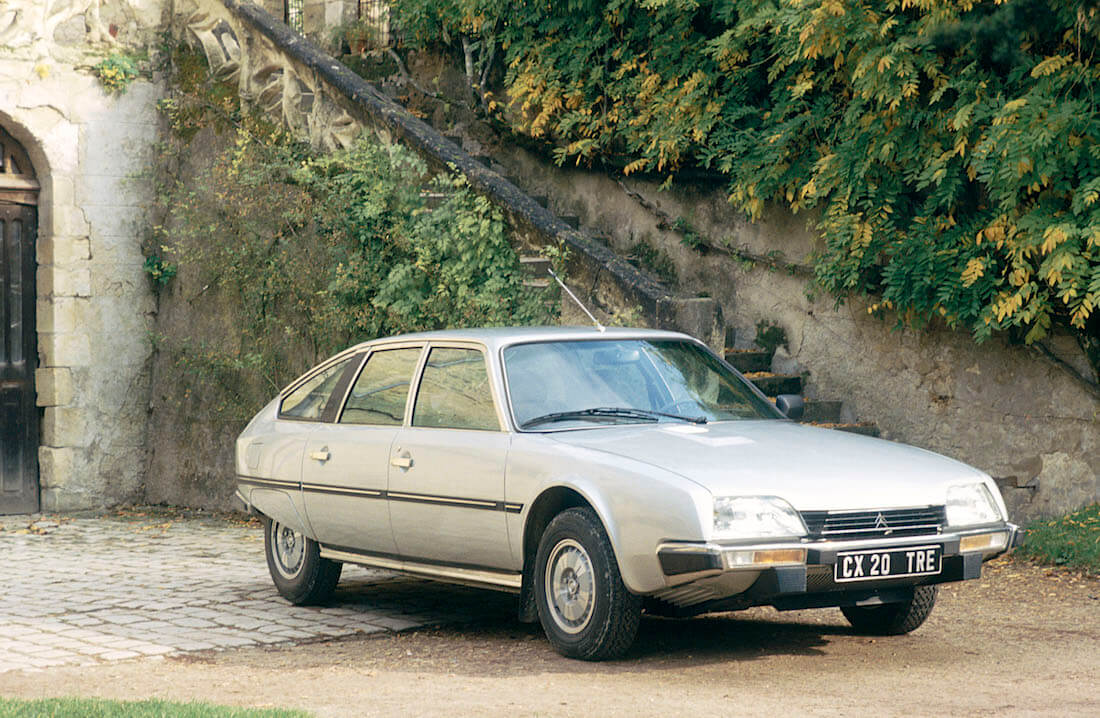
300, 574
893, 619
583, 606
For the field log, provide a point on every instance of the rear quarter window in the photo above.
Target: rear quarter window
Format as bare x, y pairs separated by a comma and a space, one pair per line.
308, 401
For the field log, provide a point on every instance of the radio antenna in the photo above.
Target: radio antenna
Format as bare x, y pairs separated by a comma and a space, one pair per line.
574, 298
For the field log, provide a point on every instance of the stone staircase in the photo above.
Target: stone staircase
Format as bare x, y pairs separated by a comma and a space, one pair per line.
756, 366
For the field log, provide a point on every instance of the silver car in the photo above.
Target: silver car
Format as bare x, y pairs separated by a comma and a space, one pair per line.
598, 474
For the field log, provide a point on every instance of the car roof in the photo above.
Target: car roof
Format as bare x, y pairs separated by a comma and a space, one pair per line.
496, 337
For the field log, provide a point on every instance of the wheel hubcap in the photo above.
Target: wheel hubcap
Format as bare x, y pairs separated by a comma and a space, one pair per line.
570, 588
290, 549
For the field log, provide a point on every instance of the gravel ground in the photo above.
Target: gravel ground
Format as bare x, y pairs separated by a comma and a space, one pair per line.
1022, 641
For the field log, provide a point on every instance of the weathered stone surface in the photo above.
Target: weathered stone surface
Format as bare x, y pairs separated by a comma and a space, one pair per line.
54, 386
88, 148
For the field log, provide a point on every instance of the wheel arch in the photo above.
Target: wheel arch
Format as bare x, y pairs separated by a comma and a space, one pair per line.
551, 502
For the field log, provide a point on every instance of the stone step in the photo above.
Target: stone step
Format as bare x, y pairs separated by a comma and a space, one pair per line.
866, 428
572, 220
536, 266
822, 411
775, 384
749, 360
433, 199
536, 283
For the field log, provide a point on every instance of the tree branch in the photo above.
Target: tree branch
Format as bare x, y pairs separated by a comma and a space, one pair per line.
1045, 352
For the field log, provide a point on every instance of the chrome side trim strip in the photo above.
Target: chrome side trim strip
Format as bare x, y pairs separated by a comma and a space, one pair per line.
268, 483
481, 578
508, 507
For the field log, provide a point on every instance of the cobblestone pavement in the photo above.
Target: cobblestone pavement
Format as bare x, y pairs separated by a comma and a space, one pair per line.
138, 584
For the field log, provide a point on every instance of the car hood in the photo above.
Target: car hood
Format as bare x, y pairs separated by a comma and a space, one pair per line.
812, 468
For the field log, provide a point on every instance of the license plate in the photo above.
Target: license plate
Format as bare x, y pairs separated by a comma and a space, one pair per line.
875, 564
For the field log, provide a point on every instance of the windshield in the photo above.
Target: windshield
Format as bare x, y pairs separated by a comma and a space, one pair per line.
555, 385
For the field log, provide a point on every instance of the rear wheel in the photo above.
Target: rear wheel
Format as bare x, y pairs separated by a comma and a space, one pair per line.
300, 574
583, 606
893, 619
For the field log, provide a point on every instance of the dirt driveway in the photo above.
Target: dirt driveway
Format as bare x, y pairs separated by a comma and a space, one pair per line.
1022, 641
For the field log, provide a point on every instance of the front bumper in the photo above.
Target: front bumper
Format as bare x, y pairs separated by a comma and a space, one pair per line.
801, 574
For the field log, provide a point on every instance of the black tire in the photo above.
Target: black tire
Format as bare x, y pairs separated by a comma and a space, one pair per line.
300, 574
893, 619
591, 615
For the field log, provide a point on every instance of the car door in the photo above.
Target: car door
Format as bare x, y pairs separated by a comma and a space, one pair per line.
346, 462
446, 476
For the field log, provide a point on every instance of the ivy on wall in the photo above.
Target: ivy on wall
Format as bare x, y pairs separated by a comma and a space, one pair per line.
949, 148
278, 255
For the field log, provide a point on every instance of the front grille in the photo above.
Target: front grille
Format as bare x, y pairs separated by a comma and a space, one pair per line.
847, 525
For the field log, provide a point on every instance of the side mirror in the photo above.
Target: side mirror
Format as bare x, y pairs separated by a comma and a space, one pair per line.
791, 405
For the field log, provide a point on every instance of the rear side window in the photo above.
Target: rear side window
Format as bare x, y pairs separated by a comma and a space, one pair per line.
382, 388
308, 401
454, 392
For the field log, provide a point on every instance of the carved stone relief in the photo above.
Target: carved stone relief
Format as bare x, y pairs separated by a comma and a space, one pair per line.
32, 23
269, 79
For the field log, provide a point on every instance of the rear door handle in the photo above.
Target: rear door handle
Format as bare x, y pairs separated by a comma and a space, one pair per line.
321, 455
402, 460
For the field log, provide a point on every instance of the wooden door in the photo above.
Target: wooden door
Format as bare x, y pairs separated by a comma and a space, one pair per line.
18, 348
18, 358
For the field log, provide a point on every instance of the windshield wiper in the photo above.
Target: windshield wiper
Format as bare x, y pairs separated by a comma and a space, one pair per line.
612, 412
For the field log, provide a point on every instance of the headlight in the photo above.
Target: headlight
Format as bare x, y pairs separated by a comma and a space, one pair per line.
971, 505
749, 517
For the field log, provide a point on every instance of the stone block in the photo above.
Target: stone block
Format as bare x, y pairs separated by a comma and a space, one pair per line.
54, 386
699, 317
60, 191
61, 143
67, 220
71, 250
123, 148
65, 281
59, 315
63, 426
55, 466
71, 349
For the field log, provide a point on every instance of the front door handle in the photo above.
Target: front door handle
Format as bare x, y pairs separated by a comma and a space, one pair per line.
321, 455
402, 460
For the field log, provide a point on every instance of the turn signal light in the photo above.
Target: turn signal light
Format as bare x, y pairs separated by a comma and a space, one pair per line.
983, 542
768, 557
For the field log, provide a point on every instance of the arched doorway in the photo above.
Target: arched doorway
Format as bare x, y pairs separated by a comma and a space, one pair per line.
18, 348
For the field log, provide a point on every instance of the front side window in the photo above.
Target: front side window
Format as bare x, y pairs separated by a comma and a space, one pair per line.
454, 392
558, 384
380, 392
308, 401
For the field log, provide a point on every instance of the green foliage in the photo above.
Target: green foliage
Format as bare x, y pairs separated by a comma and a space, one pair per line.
949, 149
100, 708
644, 254
1072, 540
770, 336
160, 271
313, 252
116, 72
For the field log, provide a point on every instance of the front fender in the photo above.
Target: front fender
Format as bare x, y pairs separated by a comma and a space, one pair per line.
639, 505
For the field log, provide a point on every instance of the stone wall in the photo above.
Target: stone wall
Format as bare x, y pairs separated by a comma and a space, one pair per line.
89, 149
1002, 408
